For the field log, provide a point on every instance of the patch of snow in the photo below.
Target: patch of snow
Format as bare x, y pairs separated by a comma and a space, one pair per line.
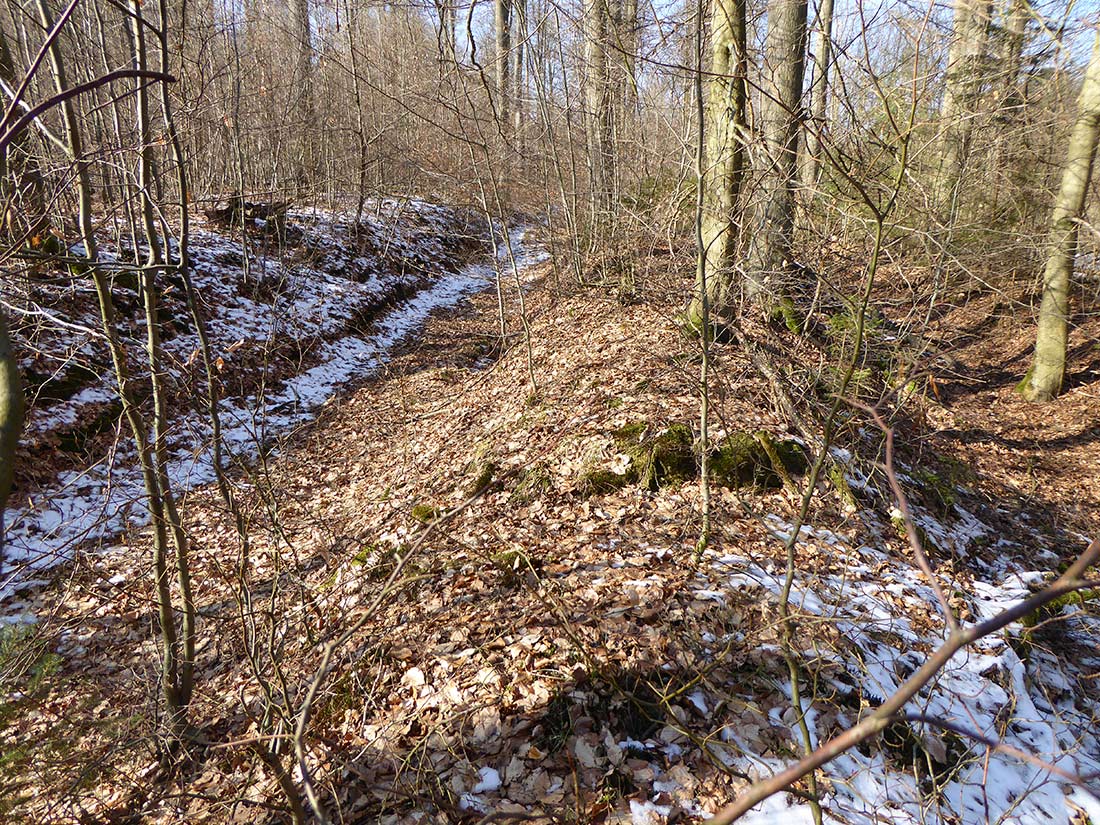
648, 813
488, 780
107, 499
1033, 706
469, 802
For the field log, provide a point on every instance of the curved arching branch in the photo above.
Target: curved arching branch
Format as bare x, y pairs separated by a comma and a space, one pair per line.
34, 112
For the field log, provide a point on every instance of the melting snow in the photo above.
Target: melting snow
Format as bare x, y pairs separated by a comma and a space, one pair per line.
1030, 705
307, 304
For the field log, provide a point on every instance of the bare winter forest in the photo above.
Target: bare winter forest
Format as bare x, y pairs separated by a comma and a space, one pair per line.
549, 411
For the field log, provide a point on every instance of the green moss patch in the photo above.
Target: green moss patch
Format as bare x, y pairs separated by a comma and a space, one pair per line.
1055, 606
661, 458
667, 457
483, 481
755, 459
599, 481
424, 513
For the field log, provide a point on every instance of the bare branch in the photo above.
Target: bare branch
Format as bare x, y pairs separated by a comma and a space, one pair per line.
56, 100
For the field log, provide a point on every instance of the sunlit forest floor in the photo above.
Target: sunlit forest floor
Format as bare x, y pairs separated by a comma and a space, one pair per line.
556, 648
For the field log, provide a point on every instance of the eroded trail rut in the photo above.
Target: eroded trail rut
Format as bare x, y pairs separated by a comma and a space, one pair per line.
293, 319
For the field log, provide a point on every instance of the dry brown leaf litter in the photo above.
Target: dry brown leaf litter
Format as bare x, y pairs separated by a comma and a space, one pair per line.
525, 634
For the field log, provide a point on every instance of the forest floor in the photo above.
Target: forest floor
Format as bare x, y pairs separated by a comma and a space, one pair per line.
529, 643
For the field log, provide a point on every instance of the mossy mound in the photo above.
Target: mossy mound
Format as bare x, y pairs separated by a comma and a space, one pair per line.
378, 561
666, 457
786, 313
660, 458
483, 480
599, 481
926, 541
755, 459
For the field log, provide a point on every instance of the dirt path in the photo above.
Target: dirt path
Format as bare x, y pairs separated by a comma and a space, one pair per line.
1042, 461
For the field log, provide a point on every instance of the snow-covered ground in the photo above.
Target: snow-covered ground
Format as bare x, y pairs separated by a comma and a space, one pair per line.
1029, 701
314, 305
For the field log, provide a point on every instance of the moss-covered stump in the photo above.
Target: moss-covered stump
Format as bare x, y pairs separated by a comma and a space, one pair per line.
483, 480
658, 458
755, 459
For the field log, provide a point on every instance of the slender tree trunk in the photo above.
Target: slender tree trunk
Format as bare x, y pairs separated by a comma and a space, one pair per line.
445, 11
819, 94
1044, 380
147, 181
502, 12
18, 174
352, 17
770, 268
21, 190
175, 707
725, 128
519, 19
11, 421
303, 90
628, 44
1011, 58
961, 93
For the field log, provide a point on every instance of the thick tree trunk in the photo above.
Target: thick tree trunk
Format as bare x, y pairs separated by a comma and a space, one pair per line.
819, 94
1044, 380
725, 130
961, 93
770, 270
1012, 51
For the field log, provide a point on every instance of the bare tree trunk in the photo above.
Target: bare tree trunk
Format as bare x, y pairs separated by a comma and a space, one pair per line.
175, 706
725, 129
445, 11
1044, 380
601, 157
770, 268
962, 89
819, 94
303, 90
11, 422
519, 19
628, 45
21, 191
150, 291
1012, 51
502, 58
